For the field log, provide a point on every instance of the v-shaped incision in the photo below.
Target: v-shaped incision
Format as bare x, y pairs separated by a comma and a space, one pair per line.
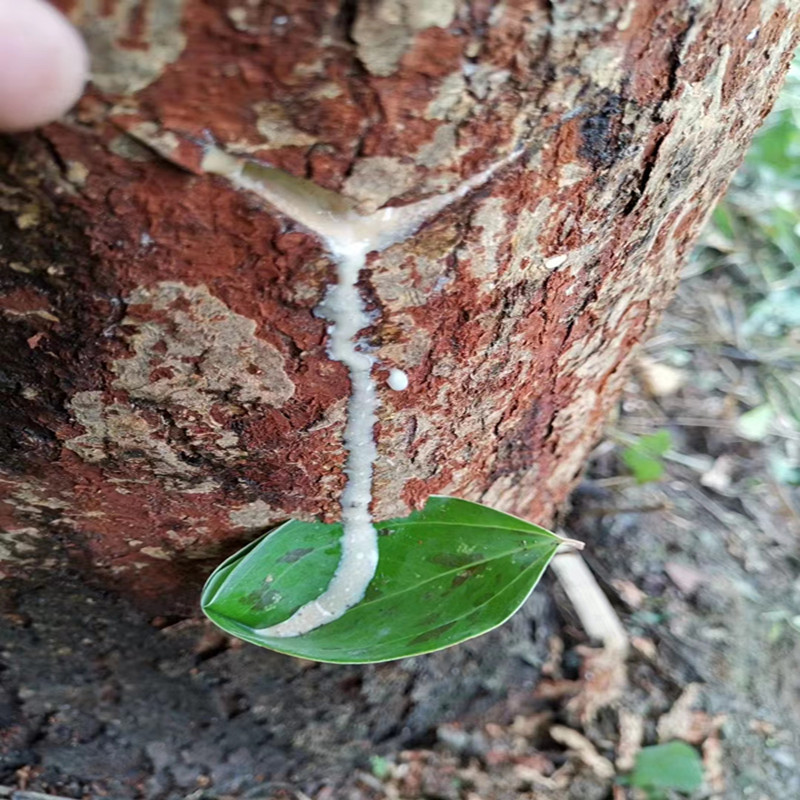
331, 216
349, 237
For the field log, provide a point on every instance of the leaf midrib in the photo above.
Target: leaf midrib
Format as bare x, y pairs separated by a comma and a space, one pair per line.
549, 538
476, 608
335, 650
444, 574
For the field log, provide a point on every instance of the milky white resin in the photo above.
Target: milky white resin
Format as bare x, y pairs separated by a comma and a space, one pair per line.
397, 380
349, 237
344, 309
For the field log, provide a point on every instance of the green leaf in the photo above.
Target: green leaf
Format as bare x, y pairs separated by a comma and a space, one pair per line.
777, 146
755, 424
445, 574
643, 457
724, 221
379, 766
644, 468
674, 765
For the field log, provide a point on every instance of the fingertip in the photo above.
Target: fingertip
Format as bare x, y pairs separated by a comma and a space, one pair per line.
44, 64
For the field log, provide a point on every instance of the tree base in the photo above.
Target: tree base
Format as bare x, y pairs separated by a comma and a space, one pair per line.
97, 699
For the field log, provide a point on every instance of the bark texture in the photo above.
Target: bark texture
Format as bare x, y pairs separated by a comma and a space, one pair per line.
167, 392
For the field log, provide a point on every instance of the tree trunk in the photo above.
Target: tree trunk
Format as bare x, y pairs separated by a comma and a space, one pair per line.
167, 387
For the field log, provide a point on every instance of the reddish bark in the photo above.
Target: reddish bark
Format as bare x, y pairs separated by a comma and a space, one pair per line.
167, 387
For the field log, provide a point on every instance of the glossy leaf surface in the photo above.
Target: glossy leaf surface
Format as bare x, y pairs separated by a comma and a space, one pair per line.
644, 457
445, 574
674, 765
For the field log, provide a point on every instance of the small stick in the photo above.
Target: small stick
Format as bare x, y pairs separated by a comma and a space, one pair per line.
595, 612
575, 544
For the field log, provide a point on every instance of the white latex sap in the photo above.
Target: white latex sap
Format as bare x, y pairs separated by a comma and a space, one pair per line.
397, 380
349, 237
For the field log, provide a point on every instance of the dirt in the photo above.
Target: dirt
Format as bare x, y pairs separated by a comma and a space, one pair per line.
702, 567
98, 701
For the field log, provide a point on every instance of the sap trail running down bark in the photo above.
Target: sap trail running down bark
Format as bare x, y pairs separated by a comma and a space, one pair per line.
349, 237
